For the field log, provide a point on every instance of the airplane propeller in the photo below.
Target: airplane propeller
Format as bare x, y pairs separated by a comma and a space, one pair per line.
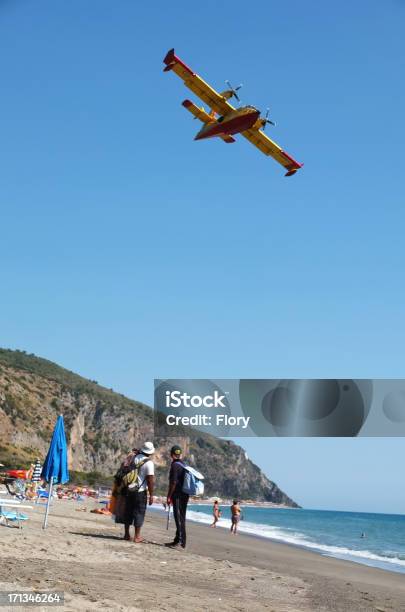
233, 90
266, 120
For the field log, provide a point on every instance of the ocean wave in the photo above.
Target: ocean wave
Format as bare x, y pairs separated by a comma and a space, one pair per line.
299, 539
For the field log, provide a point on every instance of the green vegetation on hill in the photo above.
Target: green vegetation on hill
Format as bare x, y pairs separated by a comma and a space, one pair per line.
28, 362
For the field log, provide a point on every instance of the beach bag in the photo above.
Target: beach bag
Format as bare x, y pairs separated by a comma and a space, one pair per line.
120, 508
193, 482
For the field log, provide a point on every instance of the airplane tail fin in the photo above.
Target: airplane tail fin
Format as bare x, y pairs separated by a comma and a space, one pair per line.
202, 115
199, 113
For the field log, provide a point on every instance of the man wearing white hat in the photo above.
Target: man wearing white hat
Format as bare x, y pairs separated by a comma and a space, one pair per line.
140, 480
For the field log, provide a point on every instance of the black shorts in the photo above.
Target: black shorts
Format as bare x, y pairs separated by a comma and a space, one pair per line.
135, 508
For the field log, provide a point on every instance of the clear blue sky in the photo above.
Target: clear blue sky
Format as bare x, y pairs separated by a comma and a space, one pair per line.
131, 252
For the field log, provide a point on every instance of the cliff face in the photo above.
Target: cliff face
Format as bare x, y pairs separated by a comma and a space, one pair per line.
102, 426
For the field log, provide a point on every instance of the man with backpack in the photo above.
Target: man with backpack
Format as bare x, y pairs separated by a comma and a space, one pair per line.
139, 479
177, 498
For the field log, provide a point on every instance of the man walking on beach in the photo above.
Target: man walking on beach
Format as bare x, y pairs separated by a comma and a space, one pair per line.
139, 480
177, 498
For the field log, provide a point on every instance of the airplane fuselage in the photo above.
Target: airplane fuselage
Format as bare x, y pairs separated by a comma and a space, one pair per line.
236, 121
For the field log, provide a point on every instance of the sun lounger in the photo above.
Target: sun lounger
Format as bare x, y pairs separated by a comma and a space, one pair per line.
13, 515
42, 494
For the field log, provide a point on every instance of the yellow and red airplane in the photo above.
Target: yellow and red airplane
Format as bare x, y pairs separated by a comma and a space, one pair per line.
244, 120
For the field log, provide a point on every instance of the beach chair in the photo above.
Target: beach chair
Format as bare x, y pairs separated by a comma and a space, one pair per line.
7, 516
42, 494
14, 515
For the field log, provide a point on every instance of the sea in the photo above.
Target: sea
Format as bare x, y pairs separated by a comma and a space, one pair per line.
371, 539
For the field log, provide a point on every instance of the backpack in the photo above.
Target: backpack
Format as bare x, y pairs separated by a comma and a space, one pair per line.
193, 482
129, 481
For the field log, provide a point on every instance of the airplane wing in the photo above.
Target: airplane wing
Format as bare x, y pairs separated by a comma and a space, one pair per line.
204, 91
268, 147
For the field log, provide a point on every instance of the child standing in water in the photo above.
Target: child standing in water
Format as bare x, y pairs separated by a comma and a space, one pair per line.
235, 513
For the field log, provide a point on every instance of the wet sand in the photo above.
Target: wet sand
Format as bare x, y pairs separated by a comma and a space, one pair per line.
83, 554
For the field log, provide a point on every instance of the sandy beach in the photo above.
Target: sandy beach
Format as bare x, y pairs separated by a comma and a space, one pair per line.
83, 554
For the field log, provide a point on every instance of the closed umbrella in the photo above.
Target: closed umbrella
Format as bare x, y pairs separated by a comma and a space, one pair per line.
55, 468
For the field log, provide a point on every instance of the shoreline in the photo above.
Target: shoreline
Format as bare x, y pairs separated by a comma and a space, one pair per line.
320, 570
84, 555
350, 556
251, 504
271, 505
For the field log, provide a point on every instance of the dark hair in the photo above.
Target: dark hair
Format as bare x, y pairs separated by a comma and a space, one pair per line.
235, 501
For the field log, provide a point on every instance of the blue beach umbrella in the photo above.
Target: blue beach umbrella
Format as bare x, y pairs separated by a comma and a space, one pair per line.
55, 468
